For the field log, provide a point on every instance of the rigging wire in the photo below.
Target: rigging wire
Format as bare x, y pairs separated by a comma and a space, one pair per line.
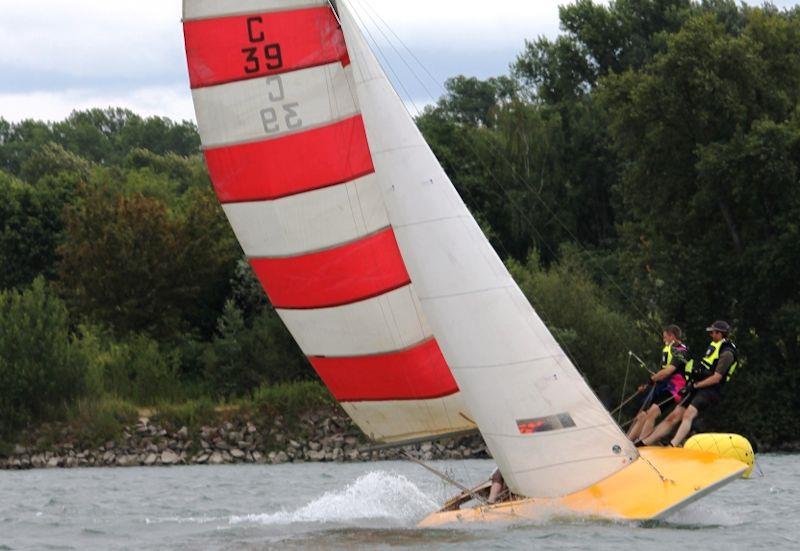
479, 157
539, 308
624, 388
500, 154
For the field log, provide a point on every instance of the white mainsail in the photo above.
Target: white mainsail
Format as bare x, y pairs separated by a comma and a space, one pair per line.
547, 431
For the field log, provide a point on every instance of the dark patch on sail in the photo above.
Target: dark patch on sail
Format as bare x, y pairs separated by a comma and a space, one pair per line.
544, 424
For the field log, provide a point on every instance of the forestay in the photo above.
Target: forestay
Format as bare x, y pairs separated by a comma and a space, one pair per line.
285, 144
547, 431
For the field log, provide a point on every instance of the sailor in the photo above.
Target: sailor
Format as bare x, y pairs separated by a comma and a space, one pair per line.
498, 487
705, 384
716, 368
668, 383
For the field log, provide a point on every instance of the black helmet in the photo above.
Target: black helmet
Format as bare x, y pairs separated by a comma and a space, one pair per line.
721, 326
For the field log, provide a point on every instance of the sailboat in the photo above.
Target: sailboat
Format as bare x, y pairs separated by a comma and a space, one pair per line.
385, 280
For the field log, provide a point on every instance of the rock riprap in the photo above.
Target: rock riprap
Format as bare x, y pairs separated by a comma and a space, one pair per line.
317, 437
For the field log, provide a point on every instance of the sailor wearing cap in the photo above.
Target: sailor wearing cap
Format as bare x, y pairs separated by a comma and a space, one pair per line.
713, 371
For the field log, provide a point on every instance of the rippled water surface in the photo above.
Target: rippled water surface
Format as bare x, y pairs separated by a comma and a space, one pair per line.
353, 506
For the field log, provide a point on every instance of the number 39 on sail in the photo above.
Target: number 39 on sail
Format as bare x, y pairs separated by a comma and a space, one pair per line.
383, 277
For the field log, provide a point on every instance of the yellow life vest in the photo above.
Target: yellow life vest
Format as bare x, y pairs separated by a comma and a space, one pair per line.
711, 359
666, 360
666, 356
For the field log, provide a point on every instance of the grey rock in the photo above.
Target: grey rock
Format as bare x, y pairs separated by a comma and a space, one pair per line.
314, 455
169, 457
280, 457
216, 459
150, 459
237, 453
201, 459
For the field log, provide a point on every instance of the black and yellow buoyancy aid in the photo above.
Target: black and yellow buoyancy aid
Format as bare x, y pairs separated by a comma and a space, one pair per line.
667, 357
708, 364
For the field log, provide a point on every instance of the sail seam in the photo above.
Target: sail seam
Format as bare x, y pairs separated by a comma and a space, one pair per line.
431, 221
466, 293
322, 249
374, 354
572, 461
222, 82
559, 432
186, 19
355, 176
507, 364
421, 398
380, 293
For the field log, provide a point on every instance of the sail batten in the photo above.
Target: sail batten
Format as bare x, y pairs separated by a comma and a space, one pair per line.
287, 152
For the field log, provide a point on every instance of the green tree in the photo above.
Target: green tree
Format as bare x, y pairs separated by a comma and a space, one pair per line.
241, 358
52, 159
707, 138
41, 369
30, 227
132, 263
587, 323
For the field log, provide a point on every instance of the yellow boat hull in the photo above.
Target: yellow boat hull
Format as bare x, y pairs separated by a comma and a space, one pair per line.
655, 485
734, 446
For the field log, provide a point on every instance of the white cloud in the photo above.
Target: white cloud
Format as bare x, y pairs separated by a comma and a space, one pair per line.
56, 56
90, 38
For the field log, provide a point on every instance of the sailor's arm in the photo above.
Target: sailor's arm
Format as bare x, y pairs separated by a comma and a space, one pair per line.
724, 363
663, 374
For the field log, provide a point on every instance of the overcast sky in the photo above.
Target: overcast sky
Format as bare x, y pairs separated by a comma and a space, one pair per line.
57, 56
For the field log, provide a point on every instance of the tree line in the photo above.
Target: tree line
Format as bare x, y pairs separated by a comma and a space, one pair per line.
639, 169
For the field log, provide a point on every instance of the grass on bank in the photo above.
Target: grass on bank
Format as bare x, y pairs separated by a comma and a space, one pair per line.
91, 422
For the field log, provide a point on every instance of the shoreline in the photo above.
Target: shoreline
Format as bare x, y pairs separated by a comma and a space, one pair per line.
320, 437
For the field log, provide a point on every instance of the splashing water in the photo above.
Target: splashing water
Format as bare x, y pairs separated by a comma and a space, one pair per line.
700, 515
375, 495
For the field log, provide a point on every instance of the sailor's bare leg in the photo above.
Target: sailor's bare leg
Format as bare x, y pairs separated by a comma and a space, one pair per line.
664, 427
650, 421
686, 425
636, 428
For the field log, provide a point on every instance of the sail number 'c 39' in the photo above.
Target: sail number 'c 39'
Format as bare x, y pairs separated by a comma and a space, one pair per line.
260, 56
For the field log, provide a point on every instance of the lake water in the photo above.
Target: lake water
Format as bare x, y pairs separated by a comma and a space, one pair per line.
353, 506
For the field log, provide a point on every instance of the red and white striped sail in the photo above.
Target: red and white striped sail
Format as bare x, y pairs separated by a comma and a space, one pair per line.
286, 148
547, 431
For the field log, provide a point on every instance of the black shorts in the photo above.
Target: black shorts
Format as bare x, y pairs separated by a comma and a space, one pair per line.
661, 393
704, 398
